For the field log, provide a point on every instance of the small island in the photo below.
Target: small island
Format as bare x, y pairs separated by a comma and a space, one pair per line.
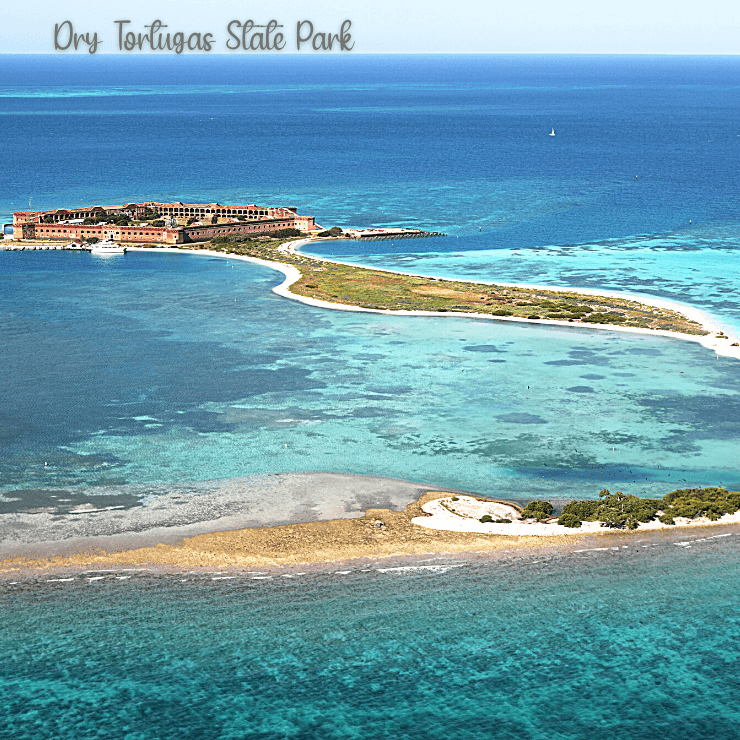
381, 290
439, 522
611, 511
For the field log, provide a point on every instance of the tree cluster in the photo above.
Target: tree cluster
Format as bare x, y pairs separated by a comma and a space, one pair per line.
118, 219
537, 510
692, 502
624, 511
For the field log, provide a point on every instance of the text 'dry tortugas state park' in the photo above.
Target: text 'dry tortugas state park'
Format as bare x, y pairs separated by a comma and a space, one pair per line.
163, 223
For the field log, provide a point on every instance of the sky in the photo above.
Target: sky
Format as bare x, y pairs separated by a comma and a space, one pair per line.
403, 26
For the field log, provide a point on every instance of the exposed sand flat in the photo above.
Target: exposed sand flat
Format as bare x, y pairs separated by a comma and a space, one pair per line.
463, 514
380, 533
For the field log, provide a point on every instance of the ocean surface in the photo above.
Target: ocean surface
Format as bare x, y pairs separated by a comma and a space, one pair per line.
156, 394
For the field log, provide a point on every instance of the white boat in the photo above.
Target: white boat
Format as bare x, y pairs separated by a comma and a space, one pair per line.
552, 132
108, 246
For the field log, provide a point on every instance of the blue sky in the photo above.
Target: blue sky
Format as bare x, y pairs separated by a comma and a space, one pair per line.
395, 26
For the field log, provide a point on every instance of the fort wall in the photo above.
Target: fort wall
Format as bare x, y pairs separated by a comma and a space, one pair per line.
59, 223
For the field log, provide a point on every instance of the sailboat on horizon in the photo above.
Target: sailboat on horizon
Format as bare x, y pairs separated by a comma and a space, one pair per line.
552, 132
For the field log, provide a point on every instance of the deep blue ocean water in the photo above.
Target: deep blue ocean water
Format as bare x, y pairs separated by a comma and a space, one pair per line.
159, 390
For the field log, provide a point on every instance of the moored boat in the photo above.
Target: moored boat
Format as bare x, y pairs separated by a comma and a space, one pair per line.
107, 246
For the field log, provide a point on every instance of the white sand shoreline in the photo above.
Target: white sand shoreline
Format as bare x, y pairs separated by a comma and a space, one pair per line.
721, 346
464, 514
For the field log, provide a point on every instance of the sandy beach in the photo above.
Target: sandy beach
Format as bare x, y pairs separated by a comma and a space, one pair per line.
463, 514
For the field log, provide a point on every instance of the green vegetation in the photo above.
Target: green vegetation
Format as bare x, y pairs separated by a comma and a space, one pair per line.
488, 519
158, 222
333, 231
569, 520
623, 511
619, 510
537, 510
576, 512
692, 502
284, 233
386, 291
115, 219
255, 245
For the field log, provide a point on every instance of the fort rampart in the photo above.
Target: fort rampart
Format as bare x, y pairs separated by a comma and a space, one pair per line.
69, 223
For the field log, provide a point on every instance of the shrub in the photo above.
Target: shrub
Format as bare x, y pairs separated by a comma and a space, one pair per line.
582, 510
569, 520
605, 318
620, 510
486, 518
284, 232
158, 222
533, 316
502, 521
711, 502
455, 498
537, 510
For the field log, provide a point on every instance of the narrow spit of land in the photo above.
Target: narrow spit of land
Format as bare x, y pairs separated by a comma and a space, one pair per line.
419, 530
349, 285
380, 533
329, 284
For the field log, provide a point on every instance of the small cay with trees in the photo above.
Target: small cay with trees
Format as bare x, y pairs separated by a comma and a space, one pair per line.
611, 511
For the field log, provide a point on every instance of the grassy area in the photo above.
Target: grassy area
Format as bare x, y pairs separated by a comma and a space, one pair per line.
368, 288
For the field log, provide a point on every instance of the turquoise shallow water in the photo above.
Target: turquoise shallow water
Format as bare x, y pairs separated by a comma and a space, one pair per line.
558, 645
196, 376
